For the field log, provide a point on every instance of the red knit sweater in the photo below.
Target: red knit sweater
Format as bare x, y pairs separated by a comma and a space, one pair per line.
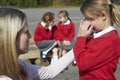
41, 33
65, 31
97, 58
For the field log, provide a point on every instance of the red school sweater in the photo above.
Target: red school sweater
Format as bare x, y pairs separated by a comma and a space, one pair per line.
41, 33
97, 58
65, 31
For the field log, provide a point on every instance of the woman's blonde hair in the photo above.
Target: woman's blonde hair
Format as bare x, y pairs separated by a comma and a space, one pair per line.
93, 9
11, 22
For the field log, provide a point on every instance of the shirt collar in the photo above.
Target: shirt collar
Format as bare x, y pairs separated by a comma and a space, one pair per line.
67, 22
96, 35
43, 23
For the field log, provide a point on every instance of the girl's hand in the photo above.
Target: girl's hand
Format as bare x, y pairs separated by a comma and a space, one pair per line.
68, 43
58, 42
50, 27
85, 28
51, 24
64, 42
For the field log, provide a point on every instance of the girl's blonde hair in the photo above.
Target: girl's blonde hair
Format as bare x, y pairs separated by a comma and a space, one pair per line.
64, 13
11, 22
93, 9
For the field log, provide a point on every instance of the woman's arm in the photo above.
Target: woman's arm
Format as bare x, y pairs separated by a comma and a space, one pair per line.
5, 78
54, 69
42, 72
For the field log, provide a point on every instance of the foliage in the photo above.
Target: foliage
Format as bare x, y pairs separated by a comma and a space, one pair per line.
42, 3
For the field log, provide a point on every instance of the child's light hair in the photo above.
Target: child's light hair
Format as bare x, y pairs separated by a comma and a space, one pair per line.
64, 13
11, 22
93, 8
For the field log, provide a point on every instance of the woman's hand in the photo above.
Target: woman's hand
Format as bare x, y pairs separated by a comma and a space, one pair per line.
85, 28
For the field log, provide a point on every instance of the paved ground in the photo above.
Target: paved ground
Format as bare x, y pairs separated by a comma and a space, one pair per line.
34, 16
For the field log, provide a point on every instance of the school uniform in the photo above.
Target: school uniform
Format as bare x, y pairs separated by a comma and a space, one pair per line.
97, 56
43, 38
66, 31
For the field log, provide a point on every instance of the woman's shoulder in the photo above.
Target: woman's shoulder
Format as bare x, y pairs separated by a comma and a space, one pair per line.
5, 78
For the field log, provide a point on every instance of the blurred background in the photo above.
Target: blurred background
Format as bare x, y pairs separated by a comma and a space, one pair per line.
43, 3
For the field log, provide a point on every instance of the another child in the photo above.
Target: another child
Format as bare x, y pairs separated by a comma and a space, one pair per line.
44, 34
65, 32
97, 55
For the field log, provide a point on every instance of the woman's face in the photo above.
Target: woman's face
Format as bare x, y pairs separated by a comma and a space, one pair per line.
23, 40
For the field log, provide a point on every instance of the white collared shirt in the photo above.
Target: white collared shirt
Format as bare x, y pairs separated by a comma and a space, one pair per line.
66, 23
43, 23
96, 35
51, 24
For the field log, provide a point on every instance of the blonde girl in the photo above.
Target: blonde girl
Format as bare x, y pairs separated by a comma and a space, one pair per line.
97, 54
65, 33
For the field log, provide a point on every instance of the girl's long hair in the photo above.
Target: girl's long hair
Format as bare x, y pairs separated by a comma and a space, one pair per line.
93, 9
64, 13
48, 17
11, 22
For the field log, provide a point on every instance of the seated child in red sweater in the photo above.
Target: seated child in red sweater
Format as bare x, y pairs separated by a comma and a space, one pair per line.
65, 32
44, 34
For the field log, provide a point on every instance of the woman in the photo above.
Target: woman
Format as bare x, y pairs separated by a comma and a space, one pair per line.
14, 40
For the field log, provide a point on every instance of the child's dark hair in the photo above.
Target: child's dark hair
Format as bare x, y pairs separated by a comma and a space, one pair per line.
64, 13
47, 18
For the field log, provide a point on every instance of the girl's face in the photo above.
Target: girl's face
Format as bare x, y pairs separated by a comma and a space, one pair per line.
98, 23
62, 19
23, 40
